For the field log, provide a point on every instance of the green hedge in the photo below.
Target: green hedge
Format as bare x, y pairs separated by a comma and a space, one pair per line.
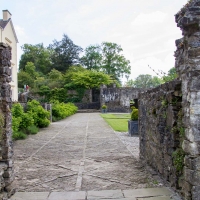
62, 110
24, 123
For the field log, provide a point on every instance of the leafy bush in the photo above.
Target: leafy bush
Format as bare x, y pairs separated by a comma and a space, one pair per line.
40, 115
59, 94
16, 123
20, 120
134, 114
133, 107
104, 106
32, 129
62, 110
17, 135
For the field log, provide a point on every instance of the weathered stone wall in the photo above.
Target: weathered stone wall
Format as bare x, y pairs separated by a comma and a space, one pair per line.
118, 99
188, 68
169, 134
6, 145
160, 126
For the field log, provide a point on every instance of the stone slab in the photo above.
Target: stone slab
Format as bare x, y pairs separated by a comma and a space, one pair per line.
30, 196
147, 192
155, 198
103, 194
67, 195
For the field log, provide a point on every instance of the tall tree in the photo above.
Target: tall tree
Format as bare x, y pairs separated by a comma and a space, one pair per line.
64, 53
92, 58
38, 55
107, 58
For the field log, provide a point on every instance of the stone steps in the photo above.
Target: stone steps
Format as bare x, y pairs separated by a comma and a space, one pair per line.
88, 111
163, 193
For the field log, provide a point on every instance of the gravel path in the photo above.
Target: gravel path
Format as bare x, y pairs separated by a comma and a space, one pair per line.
79, 153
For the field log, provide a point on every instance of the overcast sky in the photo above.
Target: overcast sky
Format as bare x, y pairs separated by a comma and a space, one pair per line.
145, 29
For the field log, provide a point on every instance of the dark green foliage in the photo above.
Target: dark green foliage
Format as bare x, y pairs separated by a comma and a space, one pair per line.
64, 53
32, 130
19, 135
178, 159
40, 115
134, 114
62, 110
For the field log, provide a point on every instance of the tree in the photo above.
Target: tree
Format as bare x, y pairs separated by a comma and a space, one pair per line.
55, 75
146, 81
64, 53
107, 58
25, 79
27, 76
92, 58
38, 55
171, 75
83, 78
114, 63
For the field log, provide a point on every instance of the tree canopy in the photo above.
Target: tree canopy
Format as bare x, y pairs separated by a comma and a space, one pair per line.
38, 55
64, 53
80, 77
145, 81
107, 58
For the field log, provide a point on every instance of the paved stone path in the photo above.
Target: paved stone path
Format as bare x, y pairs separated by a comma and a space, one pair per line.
81, 157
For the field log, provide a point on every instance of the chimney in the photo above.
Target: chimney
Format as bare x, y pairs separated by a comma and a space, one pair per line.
6, 15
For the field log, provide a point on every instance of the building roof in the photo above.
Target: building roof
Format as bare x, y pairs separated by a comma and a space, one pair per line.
4, 23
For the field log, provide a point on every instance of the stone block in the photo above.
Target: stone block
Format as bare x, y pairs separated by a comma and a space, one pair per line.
30, 196
195, 84
192, 163
193, 134
104, 194
195, 192
191, 148
192, 176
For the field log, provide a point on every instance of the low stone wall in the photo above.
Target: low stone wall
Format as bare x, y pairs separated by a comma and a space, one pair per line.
118, 99
160, 130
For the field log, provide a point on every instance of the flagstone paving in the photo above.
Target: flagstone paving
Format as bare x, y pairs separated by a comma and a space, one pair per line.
81, 157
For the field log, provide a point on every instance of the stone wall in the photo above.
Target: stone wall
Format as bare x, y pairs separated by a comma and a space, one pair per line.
160, 130
6, 145
118, 99
170, 136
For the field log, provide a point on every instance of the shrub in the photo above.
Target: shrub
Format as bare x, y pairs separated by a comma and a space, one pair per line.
133, 107
40, 115
32, 130
20, 120
104, 106
16, 123
19, 135
134, 114
62, 110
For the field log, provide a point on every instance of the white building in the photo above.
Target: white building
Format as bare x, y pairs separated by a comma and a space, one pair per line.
8, 36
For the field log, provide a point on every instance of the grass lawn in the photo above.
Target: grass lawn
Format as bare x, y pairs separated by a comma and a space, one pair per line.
119, 122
